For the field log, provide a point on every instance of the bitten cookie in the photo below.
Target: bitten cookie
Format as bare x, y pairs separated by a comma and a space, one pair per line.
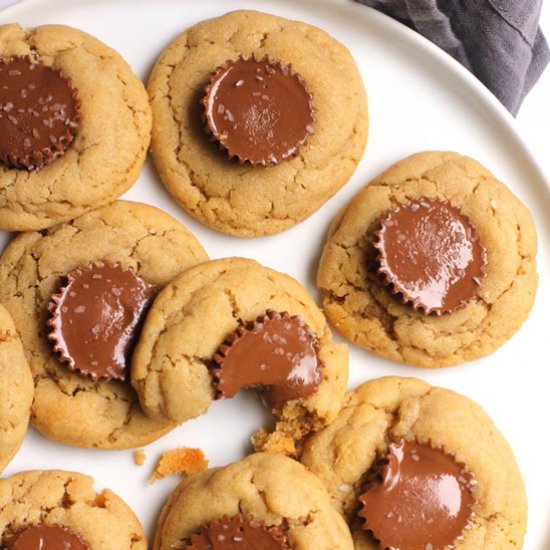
265, 501
75, 125
419, 467
16, 390
77, 294
282, 97
263, 331
432, 264
50, 510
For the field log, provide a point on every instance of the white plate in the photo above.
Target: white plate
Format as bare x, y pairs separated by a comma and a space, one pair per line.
419, 99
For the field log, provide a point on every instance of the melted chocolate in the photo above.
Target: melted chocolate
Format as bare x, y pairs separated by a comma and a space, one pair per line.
39, 113
238, 534
424, 500
46, 537
259, 111
277, 352
431, 254
95, 318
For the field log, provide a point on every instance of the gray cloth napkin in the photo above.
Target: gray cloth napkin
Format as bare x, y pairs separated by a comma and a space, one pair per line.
497, 40
6, 3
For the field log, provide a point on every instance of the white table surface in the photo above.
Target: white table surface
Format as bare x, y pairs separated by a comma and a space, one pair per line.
533, 122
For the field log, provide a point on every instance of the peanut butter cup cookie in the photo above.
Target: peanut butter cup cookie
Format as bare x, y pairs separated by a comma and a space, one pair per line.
432, 264
16, 390
54, 510
75, 125
263, 331
78, 294
265, 502
257, 121
413, 467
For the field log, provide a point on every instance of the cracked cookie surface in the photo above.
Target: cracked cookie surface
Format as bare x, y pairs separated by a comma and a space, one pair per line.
67, 407
108, 152
269, 487
68, 500
170, 369
16, 390
361, 307
391, 408
241, 199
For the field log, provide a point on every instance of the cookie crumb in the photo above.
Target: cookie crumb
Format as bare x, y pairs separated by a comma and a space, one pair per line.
179, 461
140, 457
274, 442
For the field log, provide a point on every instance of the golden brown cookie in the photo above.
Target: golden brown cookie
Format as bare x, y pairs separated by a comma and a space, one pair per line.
70, 407
274, 496
112, 132
363, 307
176, 363
64, 508
16, 390
179, 461
241, 199
393, 409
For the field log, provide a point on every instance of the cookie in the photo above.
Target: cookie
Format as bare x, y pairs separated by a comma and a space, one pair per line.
264, 331
267, 160
83, 404
54, 509
398, 443
266, 500
16, 390
179, 461
459, 282
83, 144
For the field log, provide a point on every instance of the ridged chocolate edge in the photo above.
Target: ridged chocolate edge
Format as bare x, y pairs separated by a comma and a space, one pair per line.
275, 531
42, 157
9, 542
204, 102
53, 307
472, 486
254, 326
387, 276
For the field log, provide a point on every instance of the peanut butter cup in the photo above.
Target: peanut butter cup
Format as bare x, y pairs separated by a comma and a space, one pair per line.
39, 113
424, 499
259, 111
46, 537
238, 533
430, 253
95, 318
277, 352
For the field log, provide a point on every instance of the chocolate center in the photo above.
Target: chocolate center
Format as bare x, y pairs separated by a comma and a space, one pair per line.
431, 254
238, 534
259, 111
95, 318
424, 501
277, 352
46, 537
39, 113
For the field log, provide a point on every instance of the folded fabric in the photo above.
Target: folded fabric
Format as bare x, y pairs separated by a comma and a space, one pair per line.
498, 40
6, 3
